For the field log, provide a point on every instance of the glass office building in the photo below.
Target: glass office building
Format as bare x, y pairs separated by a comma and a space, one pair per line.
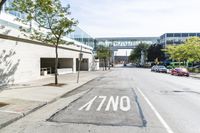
78, 35
175, 38
82, 36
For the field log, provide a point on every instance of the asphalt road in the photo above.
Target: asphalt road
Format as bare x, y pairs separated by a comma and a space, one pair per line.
124, 100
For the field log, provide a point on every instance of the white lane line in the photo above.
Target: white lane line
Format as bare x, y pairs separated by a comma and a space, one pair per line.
169, 130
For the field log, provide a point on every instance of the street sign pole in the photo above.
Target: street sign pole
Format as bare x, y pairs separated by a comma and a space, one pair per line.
109, 58
79, 64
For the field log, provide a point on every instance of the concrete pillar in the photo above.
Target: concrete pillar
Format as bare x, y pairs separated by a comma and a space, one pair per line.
89, 64
142, 58
74, 65
113, 57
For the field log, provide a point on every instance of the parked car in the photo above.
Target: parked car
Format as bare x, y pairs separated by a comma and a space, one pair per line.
197, 66
169, 71
194, 67
161, 69
153, 68
180, 72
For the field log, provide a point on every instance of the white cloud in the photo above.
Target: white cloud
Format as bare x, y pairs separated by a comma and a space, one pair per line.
136, 17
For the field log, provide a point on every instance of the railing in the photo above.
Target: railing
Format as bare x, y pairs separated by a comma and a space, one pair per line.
46, 70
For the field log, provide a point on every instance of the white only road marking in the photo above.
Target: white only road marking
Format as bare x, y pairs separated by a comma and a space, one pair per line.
102, 102
88, 105
123, 102
113, 102
169, 130
128, 105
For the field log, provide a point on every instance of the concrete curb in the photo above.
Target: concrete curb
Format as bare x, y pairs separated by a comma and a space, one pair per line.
21, 115
196, 77
10, 121
42, 105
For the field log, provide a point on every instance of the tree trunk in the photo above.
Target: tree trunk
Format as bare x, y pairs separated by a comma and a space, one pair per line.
105, 64
56, 65
102, 64
1, 4
187, 63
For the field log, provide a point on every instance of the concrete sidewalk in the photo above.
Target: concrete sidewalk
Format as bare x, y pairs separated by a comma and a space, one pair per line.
19, 100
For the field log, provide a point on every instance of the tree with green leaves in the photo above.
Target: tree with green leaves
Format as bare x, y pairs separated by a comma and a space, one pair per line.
155, 52
135, 55
176, 53
52, 20
103, 53
189, 51
192, 47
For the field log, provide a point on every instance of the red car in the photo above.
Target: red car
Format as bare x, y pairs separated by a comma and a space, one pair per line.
180, 72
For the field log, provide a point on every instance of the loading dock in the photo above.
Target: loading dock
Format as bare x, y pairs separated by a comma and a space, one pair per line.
84, 64
47, 65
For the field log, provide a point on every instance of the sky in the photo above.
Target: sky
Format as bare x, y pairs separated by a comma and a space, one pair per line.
134, 18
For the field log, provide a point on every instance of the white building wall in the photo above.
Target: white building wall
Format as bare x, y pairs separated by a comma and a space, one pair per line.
20, 61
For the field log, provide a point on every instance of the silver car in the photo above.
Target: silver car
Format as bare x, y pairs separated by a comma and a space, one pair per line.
161, 69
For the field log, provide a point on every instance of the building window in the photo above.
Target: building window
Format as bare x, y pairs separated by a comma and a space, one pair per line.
185, 35
177, 41
177, 35
170, 35
192, 34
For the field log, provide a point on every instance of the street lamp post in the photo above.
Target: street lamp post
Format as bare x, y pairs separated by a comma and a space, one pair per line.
79, 64
126, 57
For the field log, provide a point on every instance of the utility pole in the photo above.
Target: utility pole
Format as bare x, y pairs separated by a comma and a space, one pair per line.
109, 58
79, 64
